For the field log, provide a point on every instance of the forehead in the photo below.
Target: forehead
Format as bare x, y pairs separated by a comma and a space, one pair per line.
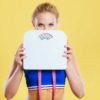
45, 17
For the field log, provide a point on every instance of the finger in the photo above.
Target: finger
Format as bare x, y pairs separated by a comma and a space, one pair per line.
22, 57
21, 53
67, 47
21, 49
66, 56
68, 51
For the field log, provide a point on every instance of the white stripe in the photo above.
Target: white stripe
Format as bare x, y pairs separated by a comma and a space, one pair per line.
45, 86
36, 87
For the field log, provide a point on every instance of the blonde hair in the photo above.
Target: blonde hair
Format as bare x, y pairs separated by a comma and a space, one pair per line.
45, 7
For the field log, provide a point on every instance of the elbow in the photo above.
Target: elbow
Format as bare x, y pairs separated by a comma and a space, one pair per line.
81, 93
7, 96
8, 93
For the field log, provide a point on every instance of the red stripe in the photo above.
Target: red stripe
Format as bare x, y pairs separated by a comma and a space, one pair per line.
54, 84
39, 83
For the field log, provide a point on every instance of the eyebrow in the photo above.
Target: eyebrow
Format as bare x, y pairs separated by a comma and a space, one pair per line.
43, 23
51, 22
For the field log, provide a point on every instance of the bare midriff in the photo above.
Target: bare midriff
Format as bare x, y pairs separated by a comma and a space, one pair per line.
46, 94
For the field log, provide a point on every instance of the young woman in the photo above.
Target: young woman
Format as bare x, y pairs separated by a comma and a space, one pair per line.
45, 17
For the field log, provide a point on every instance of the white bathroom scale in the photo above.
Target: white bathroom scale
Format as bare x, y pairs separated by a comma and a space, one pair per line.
44, 50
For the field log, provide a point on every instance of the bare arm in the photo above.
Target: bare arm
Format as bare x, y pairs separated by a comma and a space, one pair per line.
15, 76
75, 80
13, 83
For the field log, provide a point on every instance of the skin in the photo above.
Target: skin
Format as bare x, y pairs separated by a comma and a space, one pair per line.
44, 21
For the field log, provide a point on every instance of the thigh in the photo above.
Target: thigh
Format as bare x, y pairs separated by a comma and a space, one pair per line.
46, 94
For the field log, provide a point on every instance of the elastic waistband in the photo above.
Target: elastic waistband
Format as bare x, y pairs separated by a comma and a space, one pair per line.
44, 87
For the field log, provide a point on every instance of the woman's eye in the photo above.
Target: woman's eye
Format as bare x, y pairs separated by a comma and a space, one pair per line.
51, 24
40, 24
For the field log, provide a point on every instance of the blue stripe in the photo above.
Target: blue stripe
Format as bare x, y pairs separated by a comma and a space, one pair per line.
32, 77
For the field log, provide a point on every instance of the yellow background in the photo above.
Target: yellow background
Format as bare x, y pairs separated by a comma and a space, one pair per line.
80, 19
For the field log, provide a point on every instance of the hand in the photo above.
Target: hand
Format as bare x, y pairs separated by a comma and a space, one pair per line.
19, 56
68, 54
